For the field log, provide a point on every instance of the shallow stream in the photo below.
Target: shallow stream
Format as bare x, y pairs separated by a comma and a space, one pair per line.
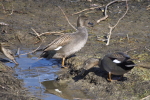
35, 73
132, 35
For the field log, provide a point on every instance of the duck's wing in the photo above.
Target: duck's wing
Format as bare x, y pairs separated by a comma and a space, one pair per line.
118, 57
59, 42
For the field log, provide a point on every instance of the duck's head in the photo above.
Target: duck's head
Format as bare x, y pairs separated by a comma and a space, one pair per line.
91, 62
83, 21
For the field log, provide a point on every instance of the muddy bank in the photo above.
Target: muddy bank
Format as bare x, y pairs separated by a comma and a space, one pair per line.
136, 82
132, 34
11, 87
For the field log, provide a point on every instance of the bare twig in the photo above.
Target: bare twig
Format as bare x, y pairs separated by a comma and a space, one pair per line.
37, 42
109, 35
18, 38
105, 13
147, 48
18, 51
128, 37
148, 7
89, 12
146, 98
101, 38
3, 8
38, 36
81, 99
12, 10
3, 24
112, 27
67, 18
33, 50
103, 18
57, 32
86, 10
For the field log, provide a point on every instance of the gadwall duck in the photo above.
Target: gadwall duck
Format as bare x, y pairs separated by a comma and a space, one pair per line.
7, 53
117, 64
69, 43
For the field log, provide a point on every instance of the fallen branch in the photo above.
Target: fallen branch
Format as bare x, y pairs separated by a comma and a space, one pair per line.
86, 10
148, 7
3, 24
12, 10
57, 32
32, 51
18, 51
146, 98
81, 99
36, 33
112, 27
16, 35
4, 10
105, 17
60, 32
105, 13
147, 48
67, 18
128, 37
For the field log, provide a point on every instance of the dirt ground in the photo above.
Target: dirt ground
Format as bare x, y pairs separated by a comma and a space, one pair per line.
11, 88
132, 35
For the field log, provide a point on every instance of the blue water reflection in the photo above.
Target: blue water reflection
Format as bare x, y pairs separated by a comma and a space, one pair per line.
33, 71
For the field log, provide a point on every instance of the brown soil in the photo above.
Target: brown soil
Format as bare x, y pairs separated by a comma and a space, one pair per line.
46, 16
11, 88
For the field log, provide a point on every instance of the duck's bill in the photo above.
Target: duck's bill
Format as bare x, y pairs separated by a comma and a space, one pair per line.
91, 24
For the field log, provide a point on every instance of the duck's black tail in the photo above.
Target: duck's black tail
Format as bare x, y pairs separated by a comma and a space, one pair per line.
48, 54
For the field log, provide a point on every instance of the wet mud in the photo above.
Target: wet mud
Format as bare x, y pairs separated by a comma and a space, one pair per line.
131, 35
11, 87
